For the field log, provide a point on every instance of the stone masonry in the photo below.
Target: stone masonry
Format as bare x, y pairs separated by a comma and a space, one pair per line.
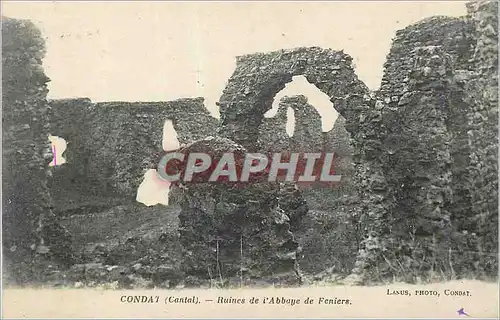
421, 156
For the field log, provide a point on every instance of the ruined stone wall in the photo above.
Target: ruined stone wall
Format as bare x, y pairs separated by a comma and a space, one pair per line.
259, 77
338, 140
111, 145
234, 233
31, 232
307, 135
413, 104
71, 184
422, 149
272, 132
482, 95
249, 95
426, 108
421, 176
452, 35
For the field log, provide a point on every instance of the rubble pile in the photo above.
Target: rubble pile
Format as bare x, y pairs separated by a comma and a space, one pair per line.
230, 232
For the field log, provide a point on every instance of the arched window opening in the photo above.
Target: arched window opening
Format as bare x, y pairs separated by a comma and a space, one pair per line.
321, 102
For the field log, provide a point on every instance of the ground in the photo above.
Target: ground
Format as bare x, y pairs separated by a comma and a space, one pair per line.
135, 246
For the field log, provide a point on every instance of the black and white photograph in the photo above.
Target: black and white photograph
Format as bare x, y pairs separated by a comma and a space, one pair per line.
191, 156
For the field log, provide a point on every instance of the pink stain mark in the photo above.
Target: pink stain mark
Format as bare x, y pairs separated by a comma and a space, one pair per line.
158, 181
54, 154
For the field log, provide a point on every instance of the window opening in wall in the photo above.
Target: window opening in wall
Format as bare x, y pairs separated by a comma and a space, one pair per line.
318, 99
153, 190
290, 122
58, 146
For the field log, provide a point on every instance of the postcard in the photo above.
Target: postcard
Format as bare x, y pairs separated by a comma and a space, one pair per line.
258, 159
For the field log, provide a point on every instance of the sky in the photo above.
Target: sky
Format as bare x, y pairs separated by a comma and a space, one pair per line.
157, 51
160, 51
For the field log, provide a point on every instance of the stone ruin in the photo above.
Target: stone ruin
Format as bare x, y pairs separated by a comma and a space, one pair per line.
115, 143
420, 153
